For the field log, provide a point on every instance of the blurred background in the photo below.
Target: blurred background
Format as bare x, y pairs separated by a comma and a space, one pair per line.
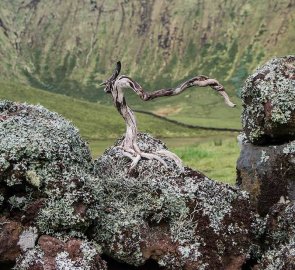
55, 53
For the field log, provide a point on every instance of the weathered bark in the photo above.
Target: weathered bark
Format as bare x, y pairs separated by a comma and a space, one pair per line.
115, 86
201, 81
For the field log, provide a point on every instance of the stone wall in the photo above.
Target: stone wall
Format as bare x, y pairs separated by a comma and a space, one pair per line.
267, 161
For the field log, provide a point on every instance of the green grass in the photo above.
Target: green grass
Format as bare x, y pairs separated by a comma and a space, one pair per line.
196, 106
216, 159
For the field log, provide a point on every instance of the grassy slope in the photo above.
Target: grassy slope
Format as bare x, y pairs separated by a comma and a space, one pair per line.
94, 120
197, 106
68, 46
215, 158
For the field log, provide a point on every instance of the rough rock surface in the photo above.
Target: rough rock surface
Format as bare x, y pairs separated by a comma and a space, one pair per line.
182, 220
279, 238
177, 219
61, 210
269, 102
45, 179
266, 164
267, 173
51, 253
44, 165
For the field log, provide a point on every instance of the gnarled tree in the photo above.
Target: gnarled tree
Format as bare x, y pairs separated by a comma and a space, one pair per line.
115, 85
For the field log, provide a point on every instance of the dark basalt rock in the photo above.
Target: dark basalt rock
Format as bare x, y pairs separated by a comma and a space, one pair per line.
44, 183
44, 165
279, 244
37, 146
267, 173
266, 164
268, 96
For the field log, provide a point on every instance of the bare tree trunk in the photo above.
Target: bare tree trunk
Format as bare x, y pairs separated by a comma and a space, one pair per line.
115, 86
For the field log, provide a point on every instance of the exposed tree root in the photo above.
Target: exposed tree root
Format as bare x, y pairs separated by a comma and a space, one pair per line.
136, 155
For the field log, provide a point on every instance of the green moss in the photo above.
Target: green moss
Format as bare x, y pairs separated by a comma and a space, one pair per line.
33, 178
16, 202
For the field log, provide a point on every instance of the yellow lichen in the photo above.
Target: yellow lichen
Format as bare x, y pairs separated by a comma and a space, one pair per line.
33, 178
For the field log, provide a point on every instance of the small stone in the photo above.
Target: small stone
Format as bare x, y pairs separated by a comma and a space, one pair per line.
51, 246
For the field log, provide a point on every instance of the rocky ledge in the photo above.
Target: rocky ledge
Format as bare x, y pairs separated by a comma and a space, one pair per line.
266, 164
59, 208
181, 220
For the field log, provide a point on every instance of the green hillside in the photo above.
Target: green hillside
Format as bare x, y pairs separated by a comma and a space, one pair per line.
68, 46
196, 106
95, 121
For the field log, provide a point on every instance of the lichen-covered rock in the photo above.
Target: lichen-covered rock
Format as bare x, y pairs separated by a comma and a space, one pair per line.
267, 173
269, 102
182, 220
178, 219
54, 254
280, 224
45, 186
44, 169
37, 145
279, 238
280, 258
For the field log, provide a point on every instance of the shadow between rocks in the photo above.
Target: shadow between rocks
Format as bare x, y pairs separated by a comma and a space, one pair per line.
6, 266
115, 265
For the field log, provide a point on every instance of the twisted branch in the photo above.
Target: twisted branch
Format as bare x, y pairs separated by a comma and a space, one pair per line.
201, 81
115, 86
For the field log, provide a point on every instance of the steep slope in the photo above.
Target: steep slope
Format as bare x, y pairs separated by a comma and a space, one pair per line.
68, 46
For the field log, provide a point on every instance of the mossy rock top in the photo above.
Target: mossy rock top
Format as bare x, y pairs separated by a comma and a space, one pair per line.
269, 102
37, 145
